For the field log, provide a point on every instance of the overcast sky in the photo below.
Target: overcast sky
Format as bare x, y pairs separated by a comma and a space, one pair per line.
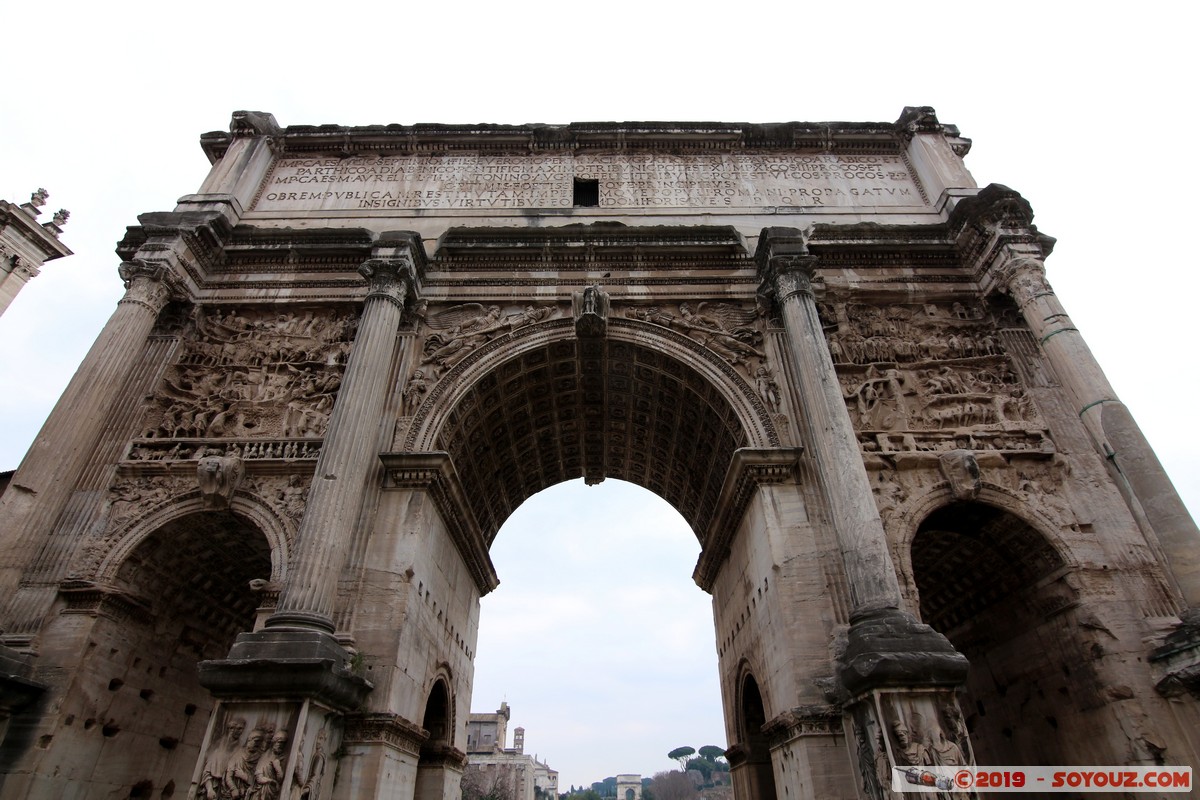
597, 638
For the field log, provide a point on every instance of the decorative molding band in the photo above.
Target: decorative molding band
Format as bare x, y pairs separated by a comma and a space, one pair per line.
391, 730
85, 597
816, 720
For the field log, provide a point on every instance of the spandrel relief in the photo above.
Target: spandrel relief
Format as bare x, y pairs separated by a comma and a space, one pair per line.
133, 497
730, 330
249, 373
930, 377
458, 331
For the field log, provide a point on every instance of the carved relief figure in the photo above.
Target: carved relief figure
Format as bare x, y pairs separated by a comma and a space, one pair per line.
219, 476
253, 373
768, 389
414, 392
911, 751
909, 370
653, 315
212, 777
239, 774
268, 776
461, 329
307, 786
724, 328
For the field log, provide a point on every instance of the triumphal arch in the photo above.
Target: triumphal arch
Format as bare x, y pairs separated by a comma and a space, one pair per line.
245, 555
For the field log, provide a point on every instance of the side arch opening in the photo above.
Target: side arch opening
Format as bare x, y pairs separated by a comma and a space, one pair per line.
753, 776
439, 768
180, 596
996, 588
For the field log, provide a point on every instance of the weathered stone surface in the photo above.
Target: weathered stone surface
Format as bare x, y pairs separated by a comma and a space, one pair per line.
255, 530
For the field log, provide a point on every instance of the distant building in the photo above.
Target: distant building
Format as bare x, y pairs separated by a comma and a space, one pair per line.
487, 733
489, 762
629, 787
26, 244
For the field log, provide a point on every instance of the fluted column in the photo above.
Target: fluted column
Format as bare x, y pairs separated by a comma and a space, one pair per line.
1106, 418
43, 483
349, 452
833, 443
886, 646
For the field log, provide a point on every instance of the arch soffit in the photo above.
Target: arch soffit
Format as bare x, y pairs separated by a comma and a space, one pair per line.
751, 412
248, 507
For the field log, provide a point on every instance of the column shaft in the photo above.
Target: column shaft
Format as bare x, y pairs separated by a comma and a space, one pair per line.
347, 456
48, 473
834, 445
1109, 422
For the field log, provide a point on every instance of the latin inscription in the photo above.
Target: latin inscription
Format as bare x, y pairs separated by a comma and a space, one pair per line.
627, 181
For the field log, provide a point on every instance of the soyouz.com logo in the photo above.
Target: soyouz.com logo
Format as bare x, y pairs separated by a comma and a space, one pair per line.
1042, 779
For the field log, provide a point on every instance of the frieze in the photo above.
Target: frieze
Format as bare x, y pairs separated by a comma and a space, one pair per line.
285, 495
134, 498
170, 450
930, 377
481, 181
1034, 443
728, 329
253, 373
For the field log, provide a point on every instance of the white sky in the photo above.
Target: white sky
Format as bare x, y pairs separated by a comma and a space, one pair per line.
1086, 109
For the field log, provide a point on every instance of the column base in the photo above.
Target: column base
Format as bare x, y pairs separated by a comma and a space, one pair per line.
289, 663
1179, 658
890, 648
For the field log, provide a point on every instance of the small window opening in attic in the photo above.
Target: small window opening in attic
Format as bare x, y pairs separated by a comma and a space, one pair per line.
587, 193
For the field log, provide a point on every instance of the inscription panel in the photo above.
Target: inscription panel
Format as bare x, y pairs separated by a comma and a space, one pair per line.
625, 181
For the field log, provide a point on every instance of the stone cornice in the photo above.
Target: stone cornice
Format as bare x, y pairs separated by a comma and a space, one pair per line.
749, 468
434, 473
995, 223
86, 597
31, 232
697, 239
821, 720
208, 251
392, 730
680, 137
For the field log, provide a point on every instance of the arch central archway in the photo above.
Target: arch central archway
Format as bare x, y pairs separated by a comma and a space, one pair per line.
562, 408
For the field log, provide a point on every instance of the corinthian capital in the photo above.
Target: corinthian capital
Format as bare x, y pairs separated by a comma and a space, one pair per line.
147, 283
1024, 278
388, 278
793, 275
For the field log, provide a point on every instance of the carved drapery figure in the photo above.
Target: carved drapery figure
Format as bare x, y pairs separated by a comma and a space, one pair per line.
212, 777
239, 774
